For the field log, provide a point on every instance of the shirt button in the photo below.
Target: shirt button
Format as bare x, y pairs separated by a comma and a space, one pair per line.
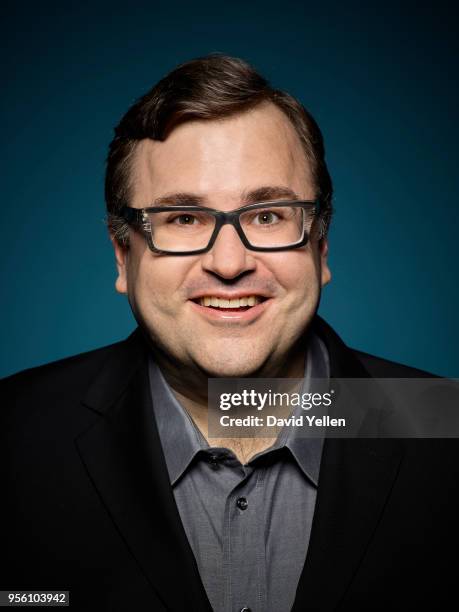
214, 462
242, 504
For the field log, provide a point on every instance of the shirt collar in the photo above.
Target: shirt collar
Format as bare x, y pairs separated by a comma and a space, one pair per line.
181, 439
306, 451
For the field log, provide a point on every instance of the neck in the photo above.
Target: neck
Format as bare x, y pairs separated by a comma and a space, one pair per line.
189, 386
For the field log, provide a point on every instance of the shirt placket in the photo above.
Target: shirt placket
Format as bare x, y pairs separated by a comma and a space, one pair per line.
244, 563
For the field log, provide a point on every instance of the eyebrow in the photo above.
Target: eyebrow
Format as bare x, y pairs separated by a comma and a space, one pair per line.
261, 194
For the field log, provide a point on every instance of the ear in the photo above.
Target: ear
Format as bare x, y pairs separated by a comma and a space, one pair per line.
324, 269
121, 255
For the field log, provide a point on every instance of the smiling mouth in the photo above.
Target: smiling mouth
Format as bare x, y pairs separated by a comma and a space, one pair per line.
230, 305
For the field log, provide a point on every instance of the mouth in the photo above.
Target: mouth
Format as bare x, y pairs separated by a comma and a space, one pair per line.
240, 304
245, 308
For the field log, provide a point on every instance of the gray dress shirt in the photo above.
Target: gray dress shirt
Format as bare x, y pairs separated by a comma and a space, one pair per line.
248, 525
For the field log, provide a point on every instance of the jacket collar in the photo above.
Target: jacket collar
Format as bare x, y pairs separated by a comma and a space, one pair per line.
343, 362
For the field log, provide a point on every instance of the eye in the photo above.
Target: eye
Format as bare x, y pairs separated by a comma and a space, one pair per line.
184, 219
266, 217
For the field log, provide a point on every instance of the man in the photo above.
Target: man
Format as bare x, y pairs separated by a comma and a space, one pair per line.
219, 201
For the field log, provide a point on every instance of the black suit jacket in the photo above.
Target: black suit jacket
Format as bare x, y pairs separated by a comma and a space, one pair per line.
87, 505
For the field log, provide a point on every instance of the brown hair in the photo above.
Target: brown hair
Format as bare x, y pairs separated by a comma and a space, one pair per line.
210, 87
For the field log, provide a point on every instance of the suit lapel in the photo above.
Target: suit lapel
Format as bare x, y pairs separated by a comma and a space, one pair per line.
355, 479
356, 476
124, 460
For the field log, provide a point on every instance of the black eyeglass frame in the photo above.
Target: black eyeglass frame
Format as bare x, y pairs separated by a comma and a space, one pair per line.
138, 217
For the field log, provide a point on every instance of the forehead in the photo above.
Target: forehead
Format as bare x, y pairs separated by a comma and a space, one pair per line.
221, 159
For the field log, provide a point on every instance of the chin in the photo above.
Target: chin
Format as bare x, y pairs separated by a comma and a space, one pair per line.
231, 373
230, 369
231, 358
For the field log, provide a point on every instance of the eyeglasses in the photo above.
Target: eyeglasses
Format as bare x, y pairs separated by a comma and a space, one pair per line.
189, 230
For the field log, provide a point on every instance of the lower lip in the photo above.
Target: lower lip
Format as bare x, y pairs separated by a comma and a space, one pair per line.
242, 316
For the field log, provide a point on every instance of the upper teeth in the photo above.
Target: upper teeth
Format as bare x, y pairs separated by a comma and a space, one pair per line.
235, 303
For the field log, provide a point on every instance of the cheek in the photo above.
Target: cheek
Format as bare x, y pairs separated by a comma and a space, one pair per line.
155, 283
296, 272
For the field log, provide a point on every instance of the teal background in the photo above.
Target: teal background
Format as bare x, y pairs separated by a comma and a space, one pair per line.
380, 78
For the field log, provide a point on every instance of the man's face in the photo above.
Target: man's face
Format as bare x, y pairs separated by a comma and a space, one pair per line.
224, 163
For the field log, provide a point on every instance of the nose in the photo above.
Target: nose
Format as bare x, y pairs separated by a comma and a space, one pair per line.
228, 257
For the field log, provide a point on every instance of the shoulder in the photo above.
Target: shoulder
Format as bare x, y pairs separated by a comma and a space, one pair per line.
378, 367
67, 373
54, 392
49, 402
346, 362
